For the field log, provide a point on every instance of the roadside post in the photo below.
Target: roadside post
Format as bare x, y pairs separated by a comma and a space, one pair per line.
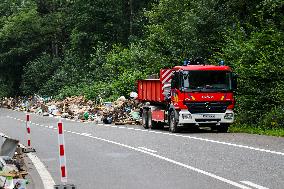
62, 159
28, 129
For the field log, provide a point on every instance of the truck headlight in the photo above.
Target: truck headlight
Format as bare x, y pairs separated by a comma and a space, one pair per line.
186, 116
229, 116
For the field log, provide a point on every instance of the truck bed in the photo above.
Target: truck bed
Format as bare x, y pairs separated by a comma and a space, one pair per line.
150, 90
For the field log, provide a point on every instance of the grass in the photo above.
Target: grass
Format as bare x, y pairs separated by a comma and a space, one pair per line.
236, 128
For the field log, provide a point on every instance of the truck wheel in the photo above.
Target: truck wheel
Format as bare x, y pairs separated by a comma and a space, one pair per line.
145, 119
223, 128
150, 121
173, 122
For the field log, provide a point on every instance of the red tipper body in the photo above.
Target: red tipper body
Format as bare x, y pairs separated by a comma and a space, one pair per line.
211, 103
152, 90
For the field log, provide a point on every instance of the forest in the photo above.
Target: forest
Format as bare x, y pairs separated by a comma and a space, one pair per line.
100, 48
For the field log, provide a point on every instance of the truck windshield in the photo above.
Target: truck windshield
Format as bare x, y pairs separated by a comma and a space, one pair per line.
207, 81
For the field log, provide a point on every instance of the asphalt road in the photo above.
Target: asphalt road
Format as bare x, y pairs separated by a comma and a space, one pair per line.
109, 156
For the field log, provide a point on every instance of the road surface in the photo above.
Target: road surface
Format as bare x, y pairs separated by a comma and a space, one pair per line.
127, 157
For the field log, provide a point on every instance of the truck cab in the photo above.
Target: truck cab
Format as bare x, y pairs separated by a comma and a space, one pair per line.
202, 95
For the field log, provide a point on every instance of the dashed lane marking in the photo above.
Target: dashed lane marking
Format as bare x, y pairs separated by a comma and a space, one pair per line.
147, 149
85, 134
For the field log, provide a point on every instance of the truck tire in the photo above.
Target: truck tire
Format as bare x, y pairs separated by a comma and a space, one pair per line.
145, 119
150, 121
173, 122
223, 128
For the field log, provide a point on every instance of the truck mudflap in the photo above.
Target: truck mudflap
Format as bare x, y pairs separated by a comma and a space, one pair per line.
202, 118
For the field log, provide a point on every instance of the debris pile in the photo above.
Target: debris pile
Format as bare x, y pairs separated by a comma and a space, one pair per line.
12, 165
121, 111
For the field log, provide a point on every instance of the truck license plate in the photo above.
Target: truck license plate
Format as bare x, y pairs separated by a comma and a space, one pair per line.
208, 116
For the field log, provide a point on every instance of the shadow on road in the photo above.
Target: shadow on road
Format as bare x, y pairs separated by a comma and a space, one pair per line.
185, 130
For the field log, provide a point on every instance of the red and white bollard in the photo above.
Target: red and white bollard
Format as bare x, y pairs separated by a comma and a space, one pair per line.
62, 157
28, 128
28, 121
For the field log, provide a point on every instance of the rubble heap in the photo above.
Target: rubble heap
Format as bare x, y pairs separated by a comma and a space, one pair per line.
121, 111
12, 165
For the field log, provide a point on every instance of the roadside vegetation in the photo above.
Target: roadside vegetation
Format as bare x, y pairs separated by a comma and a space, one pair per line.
100, 48
256, 129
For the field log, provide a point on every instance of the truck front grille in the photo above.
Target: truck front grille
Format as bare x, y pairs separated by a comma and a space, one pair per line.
207, 120
207, 107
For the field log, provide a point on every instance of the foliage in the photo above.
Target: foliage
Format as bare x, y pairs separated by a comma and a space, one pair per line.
274, 119
34, 78
256, 54
5, 89
256, 129
100, 48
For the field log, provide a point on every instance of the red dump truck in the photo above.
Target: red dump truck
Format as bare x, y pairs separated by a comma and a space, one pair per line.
191, 96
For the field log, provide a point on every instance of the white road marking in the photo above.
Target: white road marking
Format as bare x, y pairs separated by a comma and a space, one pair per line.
147, 149
51, 127
144, 130
48, 182
176, 163
121, 127
253, 185
215, 141
130, 128
45, 176
86, 134
231, 144
155, 132
114, 126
